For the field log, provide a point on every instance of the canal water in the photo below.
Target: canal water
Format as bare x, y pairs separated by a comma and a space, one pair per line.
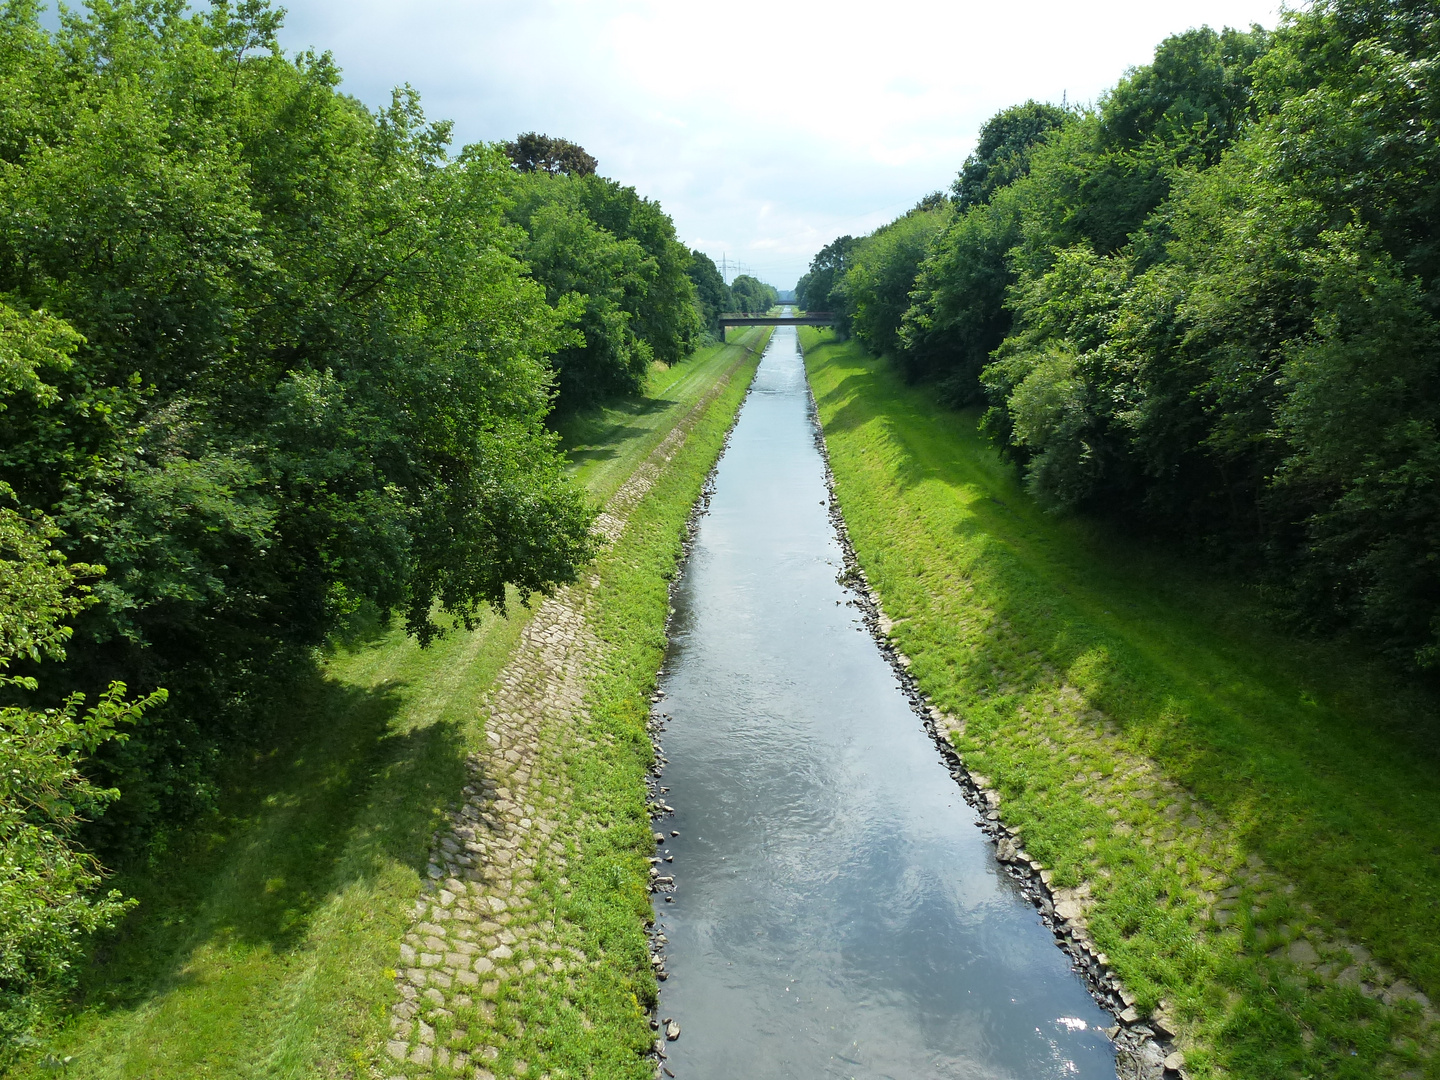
837, 912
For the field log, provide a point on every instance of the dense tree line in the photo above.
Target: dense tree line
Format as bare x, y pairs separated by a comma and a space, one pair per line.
609, 258
752, 296
1208, 303
269, 361
712, 295
714, 298
816, 289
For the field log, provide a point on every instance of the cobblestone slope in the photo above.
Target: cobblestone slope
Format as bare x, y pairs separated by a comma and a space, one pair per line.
485, 929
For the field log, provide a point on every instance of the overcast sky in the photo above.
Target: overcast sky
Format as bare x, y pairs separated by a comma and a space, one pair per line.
765, 128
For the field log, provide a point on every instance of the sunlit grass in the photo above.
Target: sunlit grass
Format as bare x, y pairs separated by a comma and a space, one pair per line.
1072, 652
606, 443
262, 943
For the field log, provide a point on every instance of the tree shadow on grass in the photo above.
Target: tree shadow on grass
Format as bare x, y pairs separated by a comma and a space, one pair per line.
296, 825
605, 426
1319, 758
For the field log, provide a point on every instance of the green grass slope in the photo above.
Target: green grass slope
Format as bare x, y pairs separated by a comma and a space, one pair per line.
1229, 796
607, 899
261, 944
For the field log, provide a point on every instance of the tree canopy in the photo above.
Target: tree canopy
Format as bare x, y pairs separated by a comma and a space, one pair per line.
270, 361
1207, 306
815, 291
712, 295
533, 152
610, 260
1002, 154
751, 295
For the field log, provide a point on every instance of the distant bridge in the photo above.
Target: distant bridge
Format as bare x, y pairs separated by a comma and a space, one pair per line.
810, 318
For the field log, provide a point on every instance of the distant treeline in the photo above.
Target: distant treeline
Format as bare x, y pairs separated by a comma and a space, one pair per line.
745, 294
271, 363
1208, 304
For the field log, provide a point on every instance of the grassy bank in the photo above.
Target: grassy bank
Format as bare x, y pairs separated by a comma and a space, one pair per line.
261, 946
1251, 822
596, 1023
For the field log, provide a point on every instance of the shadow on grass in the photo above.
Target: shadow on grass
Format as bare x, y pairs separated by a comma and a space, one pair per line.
605, 424
1321, 758
297, 825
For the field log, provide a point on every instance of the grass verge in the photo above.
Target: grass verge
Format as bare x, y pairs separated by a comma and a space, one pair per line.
605, 444
260, 946
1251, 822
597, 1024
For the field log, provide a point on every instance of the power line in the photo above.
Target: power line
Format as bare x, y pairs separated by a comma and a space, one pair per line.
729, 271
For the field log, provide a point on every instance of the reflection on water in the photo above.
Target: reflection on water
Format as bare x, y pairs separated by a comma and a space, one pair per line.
837, 913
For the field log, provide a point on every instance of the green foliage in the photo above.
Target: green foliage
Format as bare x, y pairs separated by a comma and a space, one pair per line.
1002, 153
752, 296
957, 315
1362, 424
296, 371
533, 152
49, 898
1101, 681
815, 291
1207, 304
876, 287
712, 295
299, 888
48, 884
610, 261
1257, 365
1198, 87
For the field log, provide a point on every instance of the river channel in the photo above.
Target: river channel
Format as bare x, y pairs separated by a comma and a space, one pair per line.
837, 912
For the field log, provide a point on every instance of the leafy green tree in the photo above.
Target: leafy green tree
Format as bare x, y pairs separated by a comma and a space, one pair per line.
585, 267
1100, 178
617, 254
1200, 81
666, 317
1224, 311
49, 884
752, 296
712, 295
876, 287
957, 315
1002, 153
311, 376
533, 152
815, 291
1060, 400
1361, 427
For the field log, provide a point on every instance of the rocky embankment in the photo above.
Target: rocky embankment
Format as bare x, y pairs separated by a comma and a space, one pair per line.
485, 937
1151, 1044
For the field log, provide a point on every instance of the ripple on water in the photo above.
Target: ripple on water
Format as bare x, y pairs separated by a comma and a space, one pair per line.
837, 911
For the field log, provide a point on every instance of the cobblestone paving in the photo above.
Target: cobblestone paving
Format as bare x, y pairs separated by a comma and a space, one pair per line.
480, 933
1231, 884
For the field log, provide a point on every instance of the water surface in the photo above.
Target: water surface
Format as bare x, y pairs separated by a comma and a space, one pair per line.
837, 911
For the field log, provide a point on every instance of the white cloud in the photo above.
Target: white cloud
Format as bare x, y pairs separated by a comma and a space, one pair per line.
765, 127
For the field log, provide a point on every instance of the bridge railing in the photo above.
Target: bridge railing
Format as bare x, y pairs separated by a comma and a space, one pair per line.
809, 318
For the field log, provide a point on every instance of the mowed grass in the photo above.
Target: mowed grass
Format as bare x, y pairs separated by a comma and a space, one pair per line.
1077, 657
605, 444
262, 940
607, 896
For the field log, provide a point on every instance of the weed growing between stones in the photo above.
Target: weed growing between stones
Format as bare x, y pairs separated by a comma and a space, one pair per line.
527, 955
1148, 754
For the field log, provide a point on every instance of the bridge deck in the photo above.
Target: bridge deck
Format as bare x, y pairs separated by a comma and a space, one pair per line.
777, 320
809, 318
